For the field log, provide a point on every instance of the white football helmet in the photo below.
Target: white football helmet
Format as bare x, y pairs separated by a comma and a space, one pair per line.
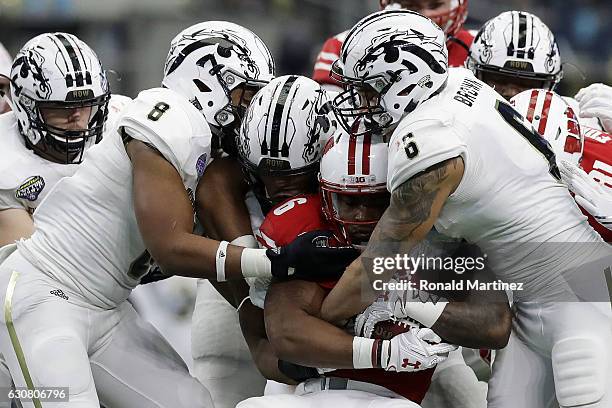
516, 44
208, 61
353, 184
285, 129
554, 120
390, 62
58, 71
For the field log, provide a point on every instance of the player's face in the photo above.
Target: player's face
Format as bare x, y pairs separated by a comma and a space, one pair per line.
280, 188
4, 89
242, 95
67, 119
360, 213
508, 86
428, 8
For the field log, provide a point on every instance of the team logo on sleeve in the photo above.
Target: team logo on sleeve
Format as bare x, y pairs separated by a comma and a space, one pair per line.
31, 188
201, 164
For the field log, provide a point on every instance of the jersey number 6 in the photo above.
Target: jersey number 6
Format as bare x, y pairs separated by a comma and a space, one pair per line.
514, 119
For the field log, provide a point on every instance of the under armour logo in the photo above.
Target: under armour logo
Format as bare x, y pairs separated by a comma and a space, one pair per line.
59, 293
407, 363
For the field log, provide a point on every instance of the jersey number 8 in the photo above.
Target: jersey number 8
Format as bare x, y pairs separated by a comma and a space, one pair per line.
157, 111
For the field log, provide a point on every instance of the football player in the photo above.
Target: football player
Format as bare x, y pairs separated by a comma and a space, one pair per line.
302, 213
464, 160
585, 175
448, 14
516, 51
66, 286
5, 69
221, 356
280, 147
354, 195
40, 146
29, 170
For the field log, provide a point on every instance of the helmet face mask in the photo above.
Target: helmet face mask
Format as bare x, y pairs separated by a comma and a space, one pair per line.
355, 214
358, 108
50, 83
65, 144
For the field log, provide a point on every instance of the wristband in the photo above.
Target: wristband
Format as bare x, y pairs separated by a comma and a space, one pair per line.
254, 263
220, 261
425, 313
365, 352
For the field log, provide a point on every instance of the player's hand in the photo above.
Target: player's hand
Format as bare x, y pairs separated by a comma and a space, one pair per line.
414, 350
596, 102
389, 306
589, 194
311, 256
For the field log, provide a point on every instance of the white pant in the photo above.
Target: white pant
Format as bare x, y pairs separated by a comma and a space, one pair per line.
109, 357
311, 395
454, 385
222, 361
168, 306
557, 354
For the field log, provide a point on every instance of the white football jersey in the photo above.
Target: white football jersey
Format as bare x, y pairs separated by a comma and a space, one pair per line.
510, 199
86, 232
26, 177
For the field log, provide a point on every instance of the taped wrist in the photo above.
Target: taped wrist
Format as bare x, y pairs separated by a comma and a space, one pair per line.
369, 353
254, 263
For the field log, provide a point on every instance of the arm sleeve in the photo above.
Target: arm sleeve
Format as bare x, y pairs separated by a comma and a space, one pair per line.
414, 149
8, 200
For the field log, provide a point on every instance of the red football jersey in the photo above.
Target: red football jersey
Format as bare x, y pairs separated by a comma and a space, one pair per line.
458, 49
597, 162
291, 218
303, 214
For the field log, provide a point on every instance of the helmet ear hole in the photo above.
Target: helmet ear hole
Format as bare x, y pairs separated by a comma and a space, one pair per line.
406, 91
224, 51
201, 85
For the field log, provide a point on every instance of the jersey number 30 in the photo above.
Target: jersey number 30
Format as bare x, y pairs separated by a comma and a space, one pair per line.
514, 119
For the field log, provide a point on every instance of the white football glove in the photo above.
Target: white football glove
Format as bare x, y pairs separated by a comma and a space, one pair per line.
596, 102
414, 350
589, 194
390, 306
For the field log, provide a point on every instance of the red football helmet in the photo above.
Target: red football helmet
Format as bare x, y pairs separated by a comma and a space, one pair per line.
450, 21
353, 184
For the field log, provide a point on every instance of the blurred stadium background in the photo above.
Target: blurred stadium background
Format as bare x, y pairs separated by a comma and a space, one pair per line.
132, 36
